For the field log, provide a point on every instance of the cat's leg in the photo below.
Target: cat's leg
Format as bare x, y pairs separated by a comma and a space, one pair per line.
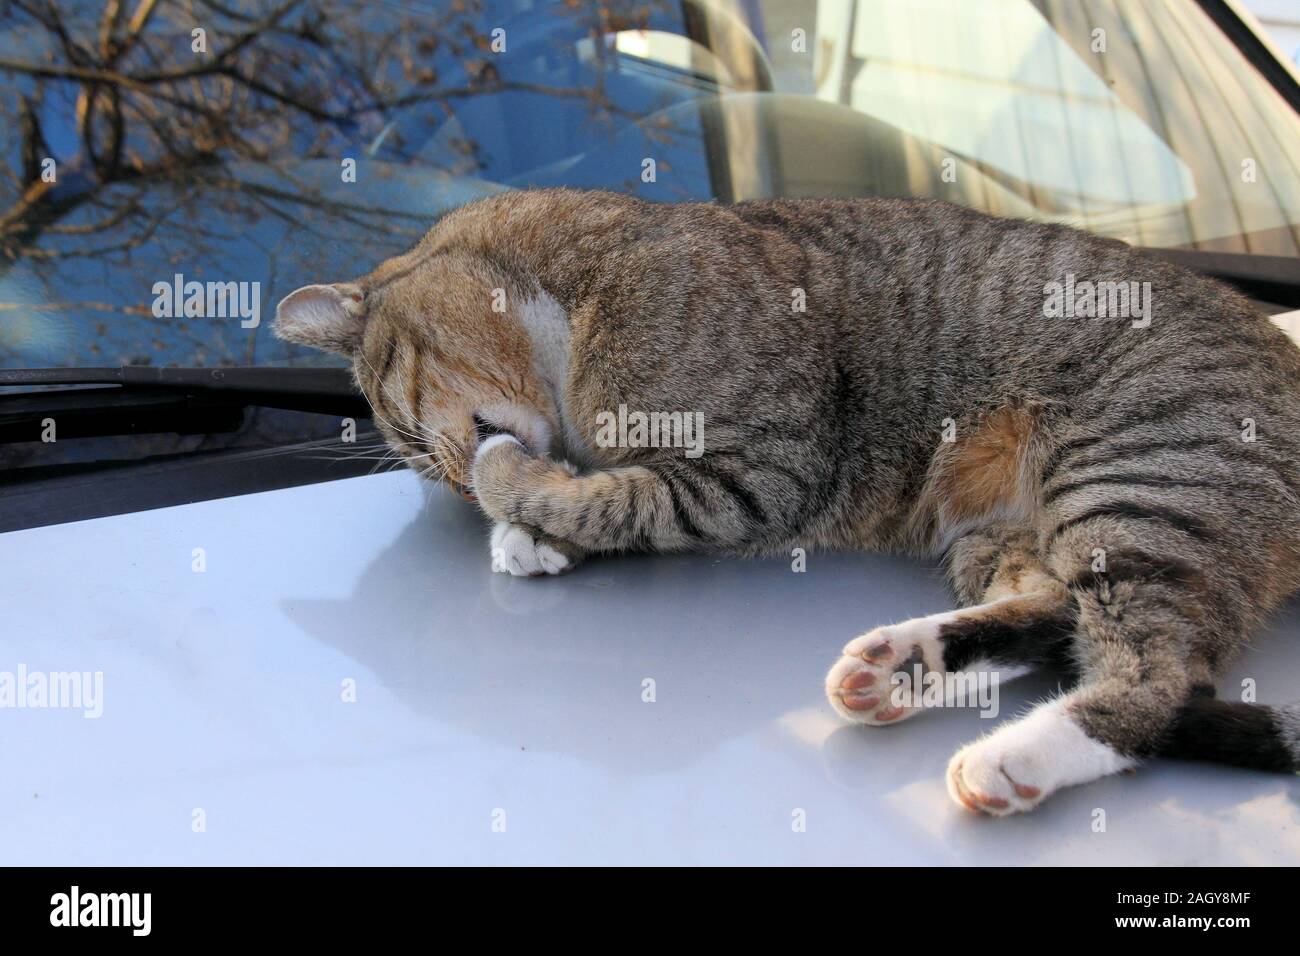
1139, 649
525, 550
1023, 618
1014, 768
670, 507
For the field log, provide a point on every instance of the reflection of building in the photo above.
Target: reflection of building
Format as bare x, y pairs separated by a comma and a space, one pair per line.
1130, 119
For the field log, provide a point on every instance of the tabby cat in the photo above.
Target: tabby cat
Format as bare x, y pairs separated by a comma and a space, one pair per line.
1114, 498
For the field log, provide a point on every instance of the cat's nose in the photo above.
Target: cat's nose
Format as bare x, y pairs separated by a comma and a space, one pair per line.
463, 491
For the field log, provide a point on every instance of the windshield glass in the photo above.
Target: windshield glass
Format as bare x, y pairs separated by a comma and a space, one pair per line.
171, 169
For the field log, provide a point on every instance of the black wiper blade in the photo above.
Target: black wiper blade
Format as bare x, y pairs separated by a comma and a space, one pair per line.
259, 380
1270, 278
140, 399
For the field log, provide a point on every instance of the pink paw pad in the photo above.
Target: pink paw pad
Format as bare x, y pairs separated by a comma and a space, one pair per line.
853, 702
858, 680
878, 652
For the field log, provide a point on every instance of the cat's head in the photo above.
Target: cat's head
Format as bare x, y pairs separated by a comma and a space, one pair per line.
438, 348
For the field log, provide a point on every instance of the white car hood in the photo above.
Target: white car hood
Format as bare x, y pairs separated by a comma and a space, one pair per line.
503, 720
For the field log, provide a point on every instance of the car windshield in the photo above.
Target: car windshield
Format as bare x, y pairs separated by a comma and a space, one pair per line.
171, 169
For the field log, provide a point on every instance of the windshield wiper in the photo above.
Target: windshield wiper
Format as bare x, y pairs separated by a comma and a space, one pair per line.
262, 380
139, 399
1269, 278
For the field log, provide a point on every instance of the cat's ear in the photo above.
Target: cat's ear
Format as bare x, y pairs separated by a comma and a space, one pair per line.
330, 317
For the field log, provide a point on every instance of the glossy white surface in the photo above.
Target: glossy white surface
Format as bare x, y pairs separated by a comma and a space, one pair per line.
478, 692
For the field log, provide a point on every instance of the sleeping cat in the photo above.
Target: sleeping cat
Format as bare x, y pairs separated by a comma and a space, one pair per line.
1114, 497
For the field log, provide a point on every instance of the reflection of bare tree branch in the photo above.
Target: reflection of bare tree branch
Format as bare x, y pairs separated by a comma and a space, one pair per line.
34, 148
348, 211
185, 152
72, 306
143, 110
100, 225
135, 241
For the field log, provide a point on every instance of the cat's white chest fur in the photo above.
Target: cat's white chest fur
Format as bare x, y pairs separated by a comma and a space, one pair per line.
547, 325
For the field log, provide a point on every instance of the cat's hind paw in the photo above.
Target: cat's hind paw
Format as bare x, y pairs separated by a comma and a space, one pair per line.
979, 780
872, 681
1020, 764
524, 553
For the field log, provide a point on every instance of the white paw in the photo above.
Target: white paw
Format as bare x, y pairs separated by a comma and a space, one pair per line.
861, 685
514, 551
1016, 767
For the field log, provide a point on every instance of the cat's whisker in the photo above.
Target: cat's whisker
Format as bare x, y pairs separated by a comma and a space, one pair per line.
401, 402
352, 457
379, 465
397, 428
339, 454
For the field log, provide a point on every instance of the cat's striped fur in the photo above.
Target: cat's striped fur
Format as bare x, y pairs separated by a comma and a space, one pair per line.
1098, 505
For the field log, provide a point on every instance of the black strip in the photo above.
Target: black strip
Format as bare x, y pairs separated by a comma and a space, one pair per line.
1059, 453
628, 526
796, 479
1149, 481
688, 482
387, 363
1127, 509
1176, 407
1099, 900
1199, 370
1130, 564
684, 520
1130, 451
603, 522
741, 495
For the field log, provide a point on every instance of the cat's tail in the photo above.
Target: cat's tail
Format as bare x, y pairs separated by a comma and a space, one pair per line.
1246, 735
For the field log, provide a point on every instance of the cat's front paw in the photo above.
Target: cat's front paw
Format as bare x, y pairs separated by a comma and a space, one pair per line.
526, 553
500, 465
509, 481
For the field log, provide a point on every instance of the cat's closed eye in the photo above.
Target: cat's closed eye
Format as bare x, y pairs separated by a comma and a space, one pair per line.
484, 429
